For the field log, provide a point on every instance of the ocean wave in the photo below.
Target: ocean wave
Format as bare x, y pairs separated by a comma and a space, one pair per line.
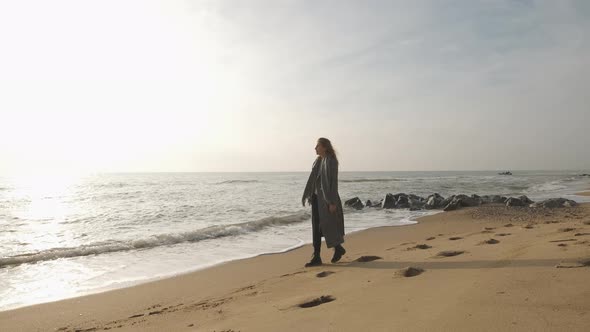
211, 232
548, 186
237, 181
370, 180
112, 185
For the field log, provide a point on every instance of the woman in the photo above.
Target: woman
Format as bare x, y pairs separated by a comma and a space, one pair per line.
321, 191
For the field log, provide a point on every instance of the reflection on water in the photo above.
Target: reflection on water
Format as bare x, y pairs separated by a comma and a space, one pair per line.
39, 205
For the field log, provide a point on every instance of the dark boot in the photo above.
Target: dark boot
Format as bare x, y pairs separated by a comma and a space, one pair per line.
316, 260
338, 253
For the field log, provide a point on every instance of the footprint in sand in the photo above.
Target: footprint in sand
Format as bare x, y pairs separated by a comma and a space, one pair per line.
566, 229
489, 228
562, 245
450, 253
420, 246
529, 227
430, 238
581, 263
409, 272
508, 225
490, 241
503, 234
317, 301
364, 259
324, 274
291, 274
454, 238
566, 240
581, 234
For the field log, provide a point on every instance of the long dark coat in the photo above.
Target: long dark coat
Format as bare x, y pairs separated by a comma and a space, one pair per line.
324, 175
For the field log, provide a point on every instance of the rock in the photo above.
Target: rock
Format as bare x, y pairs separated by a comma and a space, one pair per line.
474, 200
388, 202
505, 173
369, 203
453, 205
434, 201
569, 203
463, 200
525, 200
554, 203
416, 204
355, 203
403, 202
513, 201
492, 199
447, 200
416, 198
498, 199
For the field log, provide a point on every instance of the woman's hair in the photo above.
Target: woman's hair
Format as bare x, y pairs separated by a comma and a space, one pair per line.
328, 146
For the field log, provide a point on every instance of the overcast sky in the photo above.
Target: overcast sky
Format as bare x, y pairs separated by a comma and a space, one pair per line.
250, 85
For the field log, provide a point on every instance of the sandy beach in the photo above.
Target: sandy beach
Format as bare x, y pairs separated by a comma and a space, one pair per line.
514, 269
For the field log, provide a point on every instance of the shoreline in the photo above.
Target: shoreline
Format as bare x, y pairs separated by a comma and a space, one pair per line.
261, 293
138, 282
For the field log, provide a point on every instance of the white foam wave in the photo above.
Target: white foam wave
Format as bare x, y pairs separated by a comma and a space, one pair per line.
237, 181
211, 232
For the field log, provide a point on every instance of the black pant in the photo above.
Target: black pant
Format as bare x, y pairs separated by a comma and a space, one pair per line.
316, 232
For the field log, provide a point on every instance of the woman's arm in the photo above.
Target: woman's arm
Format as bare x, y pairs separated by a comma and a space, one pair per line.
307, 192
330, 181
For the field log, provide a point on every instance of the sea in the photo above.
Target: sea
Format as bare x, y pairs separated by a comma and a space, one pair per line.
66, 236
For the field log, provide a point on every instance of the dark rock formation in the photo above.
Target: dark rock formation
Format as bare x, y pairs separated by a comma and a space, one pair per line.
453, 205
554, 203
447, 200
403, 202
463, 200
389, 201
513, 201
525, 200
434, 201
355, 203
416, 204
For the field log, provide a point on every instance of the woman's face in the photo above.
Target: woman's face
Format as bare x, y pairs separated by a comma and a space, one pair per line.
320, 150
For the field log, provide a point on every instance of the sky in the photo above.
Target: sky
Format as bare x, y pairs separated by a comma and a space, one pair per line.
175, 86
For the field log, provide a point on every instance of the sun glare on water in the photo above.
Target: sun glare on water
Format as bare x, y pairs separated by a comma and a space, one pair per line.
42, 206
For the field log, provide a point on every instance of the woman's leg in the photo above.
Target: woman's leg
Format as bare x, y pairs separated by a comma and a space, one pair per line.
315, 226
316, 232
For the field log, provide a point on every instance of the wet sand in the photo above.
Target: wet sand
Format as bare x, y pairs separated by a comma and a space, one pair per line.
479, 269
